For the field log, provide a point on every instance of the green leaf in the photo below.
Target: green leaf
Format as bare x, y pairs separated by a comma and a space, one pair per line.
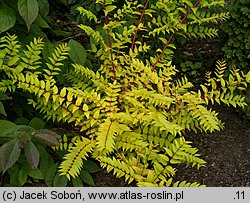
194, 9
4, 96
46, 96
10, 153
6, 127
45, 160
63, 2
48, 137
7, 18
28, 9
163, 40
152, 2
85, 107
248, 77
37, 123
87, 178
109, 9
21, 121
72, 2
32, 154
2, 110
51, 174
90, 166
184, 27
23, 139
77, 52
192, 16
43, 7
168, 52
14, 176
60, 181
47, 50
61, 33
24, 130
41, 22
22, 176
77, 182
35, 173
98, 7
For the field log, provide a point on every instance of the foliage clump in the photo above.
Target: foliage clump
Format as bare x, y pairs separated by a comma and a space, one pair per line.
237, 47
237, 43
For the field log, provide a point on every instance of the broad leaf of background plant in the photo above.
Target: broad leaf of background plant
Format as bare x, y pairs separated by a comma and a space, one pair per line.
7, 18
41, 22
13, 173
87, 178
90, 166
22, 176
51, 172
35, 173
47, 50
63, 2
43, 7
45, 160
4, 96
77, 52
28, 9
37, 123
77, 182
10, 153
60, 181
6, 127
2, 110
32, 154
48, 137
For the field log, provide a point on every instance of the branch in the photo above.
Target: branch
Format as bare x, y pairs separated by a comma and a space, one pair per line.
171, 37
110, 44
137, 29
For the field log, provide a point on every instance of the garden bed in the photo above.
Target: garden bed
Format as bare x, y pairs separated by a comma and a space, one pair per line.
227, 154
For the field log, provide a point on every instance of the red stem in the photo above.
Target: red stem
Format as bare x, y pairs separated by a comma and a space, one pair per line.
110, 45
137, 29
171, 37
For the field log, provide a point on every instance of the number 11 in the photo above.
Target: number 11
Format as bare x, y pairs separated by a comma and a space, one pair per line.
240, 195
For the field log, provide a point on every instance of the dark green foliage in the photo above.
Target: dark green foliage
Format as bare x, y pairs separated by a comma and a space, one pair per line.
23, 137
191, 68
237, 47
22, 173
237, 44
35, 163
21, 150
24, 13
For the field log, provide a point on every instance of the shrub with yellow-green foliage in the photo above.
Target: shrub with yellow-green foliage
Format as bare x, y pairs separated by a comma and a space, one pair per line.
133, 113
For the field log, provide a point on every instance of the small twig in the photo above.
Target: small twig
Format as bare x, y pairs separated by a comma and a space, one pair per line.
72, 37
110, 44
171, 37
137, 29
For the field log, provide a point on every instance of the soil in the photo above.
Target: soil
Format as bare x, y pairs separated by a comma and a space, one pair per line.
227, 154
